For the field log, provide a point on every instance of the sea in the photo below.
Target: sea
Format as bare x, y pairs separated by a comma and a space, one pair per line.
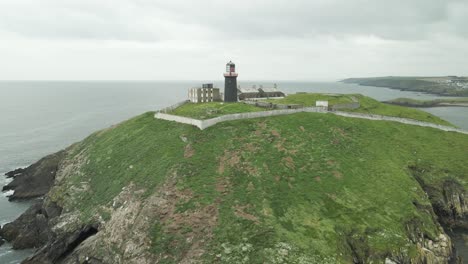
38, 118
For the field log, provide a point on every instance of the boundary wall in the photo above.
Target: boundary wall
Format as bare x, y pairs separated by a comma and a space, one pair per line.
203, 124
174, 106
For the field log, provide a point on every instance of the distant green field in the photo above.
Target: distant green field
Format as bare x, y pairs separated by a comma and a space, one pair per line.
213, 109
418, 84
302, 188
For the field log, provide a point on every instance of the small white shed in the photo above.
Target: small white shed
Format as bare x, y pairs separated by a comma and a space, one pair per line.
323, 104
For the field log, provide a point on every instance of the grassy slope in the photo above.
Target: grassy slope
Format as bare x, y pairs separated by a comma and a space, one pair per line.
306, 180
368, 106
213, 109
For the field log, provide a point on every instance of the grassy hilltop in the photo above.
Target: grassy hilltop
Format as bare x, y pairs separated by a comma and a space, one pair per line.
303, 188
367, 106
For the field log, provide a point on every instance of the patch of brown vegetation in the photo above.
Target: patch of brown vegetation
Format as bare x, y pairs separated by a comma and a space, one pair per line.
289, 162
277, 178
262, 125
199, 222
250, 170
318, 179
239, 212
189, 151
222, 185
338, 130
337, 174
302, 128
275, 133
280, 147
250, 187
265, 167
251, 147
232, 159
229, 158
332, 196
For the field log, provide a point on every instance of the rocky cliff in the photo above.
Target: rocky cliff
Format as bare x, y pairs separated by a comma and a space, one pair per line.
278, 190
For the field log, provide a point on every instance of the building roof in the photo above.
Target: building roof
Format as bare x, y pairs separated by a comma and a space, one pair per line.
248, 90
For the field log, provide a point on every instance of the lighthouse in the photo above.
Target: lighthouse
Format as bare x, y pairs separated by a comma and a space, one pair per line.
230, 83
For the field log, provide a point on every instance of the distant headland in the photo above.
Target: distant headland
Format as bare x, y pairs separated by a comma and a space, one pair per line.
445, 85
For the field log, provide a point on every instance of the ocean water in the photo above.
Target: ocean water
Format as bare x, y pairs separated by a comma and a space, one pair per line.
39, 118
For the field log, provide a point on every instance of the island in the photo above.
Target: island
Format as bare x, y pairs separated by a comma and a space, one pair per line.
446, 86
306, 187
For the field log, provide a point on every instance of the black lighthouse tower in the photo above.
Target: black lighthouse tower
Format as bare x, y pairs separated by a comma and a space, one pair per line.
230, 83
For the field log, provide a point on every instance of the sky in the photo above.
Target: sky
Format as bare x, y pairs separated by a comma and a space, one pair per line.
268, 40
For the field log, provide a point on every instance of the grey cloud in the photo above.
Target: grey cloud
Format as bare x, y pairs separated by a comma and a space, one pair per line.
143, 20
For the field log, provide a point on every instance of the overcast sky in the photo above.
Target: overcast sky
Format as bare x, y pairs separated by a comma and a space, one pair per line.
268, 40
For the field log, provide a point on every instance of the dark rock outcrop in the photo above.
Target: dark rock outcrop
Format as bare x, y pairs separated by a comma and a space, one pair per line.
60, 247
30, 230
13, 173
36, 180
1, 242
449, 201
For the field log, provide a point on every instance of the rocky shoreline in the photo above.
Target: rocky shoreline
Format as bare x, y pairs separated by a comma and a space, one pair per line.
41, 226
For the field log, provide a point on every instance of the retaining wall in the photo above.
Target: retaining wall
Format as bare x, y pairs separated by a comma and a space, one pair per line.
203, 124
354, 105
272, 105
179, 119
399, 120
174, 106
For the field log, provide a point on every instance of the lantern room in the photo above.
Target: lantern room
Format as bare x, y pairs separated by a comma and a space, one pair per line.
230, 69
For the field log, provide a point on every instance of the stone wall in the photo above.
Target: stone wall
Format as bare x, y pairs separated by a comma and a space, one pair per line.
399, 120
203, 124
179, 119
172, 107
354, 105
272, 105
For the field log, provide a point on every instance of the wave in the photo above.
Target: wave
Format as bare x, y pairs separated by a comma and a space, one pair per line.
8, 193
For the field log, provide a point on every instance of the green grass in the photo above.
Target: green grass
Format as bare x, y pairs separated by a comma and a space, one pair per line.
368, 106
213, 109
308, 99
371, 106
313, 182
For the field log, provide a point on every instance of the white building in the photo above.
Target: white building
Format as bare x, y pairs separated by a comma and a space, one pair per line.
323, 104
204, 94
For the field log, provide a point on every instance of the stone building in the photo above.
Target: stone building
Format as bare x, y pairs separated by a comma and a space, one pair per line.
206, 93
246, 93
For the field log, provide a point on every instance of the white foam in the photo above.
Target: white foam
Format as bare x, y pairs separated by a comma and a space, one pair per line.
5, 253
8, 193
